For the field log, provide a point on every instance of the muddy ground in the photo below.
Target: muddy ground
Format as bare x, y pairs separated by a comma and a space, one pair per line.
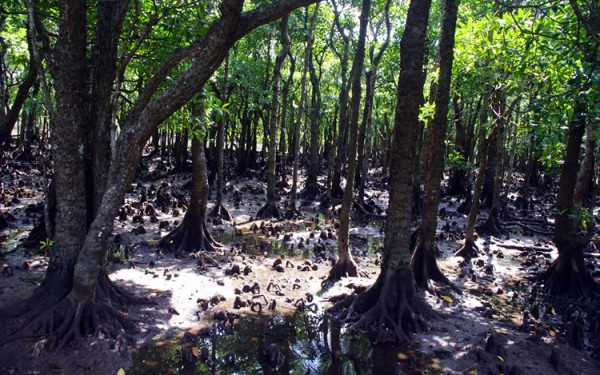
272, 268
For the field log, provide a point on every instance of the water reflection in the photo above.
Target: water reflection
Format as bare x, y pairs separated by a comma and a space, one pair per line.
303, 343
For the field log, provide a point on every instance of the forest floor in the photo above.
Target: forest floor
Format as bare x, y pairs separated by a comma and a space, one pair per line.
197, 292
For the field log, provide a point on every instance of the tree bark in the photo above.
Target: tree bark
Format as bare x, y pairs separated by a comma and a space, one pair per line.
219, 210
568, 273
80, 295
345, 265
192, 234
391, 306
423, 261
292, 210
469, 249
270, 209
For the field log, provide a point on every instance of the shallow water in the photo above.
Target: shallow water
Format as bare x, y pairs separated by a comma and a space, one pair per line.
303, 343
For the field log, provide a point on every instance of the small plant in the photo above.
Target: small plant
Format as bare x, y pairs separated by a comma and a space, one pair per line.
46, 244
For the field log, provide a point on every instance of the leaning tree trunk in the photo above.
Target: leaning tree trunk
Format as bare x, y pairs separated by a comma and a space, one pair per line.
192, 235
80, 299
392, 307
469, 248
585, 178
345, 265
270, 209
9, 118
423, 261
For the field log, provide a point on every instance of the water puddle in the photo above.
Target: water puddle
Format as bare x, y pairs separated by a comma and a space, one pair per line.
303, 343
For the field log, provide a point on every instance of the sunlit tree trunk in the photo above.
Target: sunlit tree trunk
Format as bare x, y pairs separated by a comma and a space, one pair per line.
345, 265
391, 306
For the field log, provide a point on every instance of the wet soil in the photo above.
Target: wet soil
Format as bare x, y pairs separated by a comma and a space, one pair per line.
257, 304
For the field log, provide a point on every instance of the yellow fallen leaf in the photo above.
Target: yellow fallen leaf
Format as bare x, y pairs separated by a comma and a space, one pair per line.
121, 372
553, 312
195, 351
501, 359
473, 372
447, 299
155, 291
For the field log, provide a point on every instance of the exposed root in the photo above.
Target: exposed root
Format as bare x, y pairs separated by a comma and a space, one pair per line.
189, 236
219, 211
292, 212
310, 192
269, 211
342, 268
569, 277
110, 292
67, 322
390, 308
426, 269
491, 227
468, 250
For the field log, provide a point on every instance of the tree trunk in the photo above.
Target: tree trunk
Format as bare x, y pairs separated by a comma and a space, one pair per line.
292, 210
345, 265
423, 261
494, 172
80, 299
336, 189
270, 209
568, 273
469, 249
219, 211
311, 187
282, 162
391, 306
9, 118
192, 235
370, 78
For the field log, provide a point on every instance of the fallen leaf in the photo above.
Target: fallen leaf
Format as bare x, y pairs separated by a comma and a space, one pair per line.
155, 291
195, 351
473, 372
501, 359
447, 299
121, 372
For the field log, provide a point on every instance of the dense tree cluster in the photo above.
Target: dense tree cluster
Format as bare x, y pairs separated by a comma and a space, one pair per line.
482, 92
